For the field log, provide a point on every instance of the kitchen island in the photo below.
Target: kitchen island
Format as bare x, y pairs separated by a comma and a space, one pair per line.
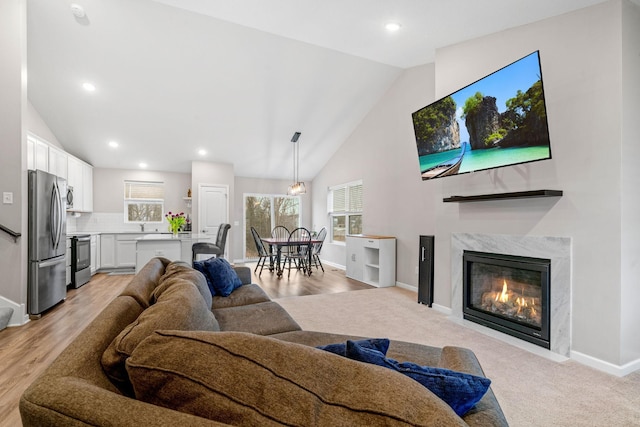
168, 246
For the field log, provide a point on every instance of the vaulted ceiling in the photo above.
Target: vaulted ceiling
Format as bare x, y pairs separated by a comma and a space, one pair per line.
236, 78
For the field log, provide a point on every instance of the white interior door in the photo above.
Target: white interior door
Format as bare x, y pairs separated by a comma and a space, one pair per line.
213, 208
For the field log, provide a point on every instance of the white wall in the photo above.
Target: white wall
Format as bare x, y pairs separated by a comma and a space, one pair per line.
582, 64
214, 174
264, 186
13, 163
630, 264
37, 126
381, 153
581, 77
108, 188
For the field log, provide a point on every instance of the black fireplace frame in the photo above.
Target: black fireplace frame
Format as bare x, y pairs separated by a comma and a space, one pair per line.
539, 336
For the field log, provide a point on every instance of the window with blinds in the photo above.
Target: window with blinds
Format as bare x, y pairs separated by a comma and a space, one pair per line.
143, 201
345, 206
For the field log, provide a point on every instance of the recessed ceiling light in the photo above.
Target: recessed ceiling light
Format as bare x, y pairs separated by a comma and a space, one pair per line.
392, 26
142, 165
88, 87
202, 152
113, 144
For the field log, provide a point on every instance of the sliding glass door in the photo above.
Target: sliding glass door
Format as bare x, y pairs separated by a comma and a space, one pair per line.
263, 212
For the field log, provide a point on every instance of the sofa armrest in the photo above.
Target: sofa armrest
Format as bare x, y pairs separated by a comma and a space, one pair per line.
48, 403
244, 273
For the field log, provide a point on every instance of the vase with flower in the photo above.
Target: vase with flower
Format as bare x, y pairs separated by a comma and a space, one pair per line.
175, 222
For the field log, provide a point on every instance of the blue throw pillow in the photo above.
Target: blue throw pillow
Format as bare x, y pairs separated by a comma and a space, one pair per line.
221, 277
379, 344
459, 390
199, 265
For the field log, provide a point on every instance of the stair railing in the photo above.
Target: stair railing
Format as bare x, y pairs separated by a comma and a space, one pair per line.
10, 232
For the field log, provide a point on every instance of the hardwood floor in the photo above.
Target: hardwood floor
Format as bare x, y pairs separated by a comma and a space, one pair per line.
25, 351
332, 280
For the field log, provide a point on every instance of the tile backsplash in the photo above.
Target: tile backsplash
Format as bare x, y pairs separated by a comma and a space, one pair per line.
107, 223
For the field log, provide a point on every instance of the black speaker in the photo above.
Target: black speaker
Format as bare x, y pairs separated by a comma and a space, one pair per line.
425, 270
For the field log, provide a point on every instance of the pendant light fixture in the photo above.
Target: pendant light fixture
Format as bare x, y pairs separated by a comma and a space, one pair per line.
297, 187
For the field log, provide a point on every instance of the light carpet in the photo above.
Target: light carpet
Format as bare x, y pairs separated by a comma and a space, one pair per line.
532, 390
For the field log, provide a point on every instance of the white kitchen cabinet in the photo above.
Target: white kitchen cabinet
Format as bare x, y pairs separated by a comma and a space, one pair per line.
74, 173
80, 177
68, 259
107, 251
126, 249
37, 154
185, 251
371, 259
31, 153
87, 189
57, 162
41, 156
148, 249
95, 253
118, 250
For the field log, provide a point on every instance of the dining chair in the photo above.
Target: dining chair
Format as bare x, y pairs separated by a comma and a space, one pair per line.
315, 249
280, 232
263, 254
298, 253
216, 249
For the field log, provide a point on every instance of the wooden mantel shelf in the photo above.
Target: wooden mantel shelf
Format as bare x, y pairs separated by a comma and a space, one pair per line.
502, 196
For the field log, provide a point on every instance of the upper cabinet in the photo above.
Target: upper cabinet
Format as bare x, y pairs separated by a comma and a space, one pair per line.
57, 162
79, 174
80, 177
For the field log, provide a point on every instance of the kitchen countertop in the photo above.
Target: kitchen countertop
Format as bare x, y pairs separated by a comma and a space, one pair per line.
169, 237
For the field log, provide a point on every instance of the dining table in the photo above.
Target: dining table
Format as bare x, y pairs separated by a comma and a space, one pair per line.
280, 242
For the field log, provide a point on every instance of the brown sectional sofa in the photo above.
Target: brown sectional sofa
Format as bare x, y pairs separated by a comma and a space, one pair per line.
196, 360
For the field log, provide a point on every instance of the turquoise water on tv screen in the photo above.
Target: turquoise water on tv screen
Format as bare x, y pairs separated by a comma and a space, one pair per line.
474, 160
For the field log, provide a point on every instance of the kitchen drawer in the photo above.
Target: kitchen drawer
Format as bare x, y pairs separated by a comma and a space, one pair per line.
371, 243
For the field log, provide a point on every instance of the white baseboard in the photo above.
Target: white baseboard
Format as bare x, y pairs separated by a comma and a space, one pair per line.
333, 264
442, 309
19, 316
406, 286
601, 365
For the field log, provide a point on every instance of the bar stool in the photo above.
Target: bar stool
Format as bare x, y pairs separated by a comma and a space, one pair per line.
214, 249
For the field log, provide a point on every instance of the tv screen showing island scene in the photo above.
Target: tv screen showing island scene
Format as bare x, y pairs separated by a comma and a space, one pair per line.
497, 121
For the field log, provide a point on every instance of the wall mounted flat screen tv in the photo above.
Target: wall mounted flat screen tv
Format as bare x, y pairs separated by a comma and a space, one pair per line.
500, 120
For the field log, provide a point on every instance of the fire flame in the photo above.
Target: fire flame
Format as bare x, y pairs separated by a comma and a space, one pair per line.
521, 302
503, 296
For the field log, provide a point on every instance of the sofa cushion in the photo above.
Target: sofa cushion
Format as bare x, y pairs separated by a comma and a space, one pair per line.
221, 277
244, 295
142, 285
245, 379
264, 318
460, 390
179, 307
179, 270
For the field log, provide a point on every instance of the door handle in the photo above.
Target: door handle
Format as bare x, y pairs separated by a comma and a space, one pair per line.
422, 256
49, 263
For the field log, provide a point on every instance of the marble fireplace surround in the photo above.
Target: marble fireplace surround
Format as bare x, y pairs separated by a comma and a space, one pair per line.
557, 249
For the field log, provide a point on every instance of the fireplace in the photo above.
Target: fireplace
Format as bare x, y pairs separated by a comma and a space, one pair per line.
508, 293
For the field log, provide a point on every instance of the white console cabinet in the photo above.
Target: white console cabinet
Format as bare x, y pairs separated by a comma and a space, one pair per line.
371, 259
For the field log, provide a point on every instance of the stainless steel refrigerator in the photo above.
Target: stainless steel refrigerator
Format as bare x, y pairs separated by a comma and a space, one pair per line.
47, 241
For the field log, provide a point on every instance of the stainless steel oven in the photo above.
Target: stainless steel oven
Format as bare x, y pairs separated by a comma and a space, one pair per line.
80, 260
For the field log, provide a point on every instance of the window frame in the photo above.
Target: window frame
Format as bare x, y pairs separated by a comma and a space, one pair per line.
272, 197
149, 201
350, 207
